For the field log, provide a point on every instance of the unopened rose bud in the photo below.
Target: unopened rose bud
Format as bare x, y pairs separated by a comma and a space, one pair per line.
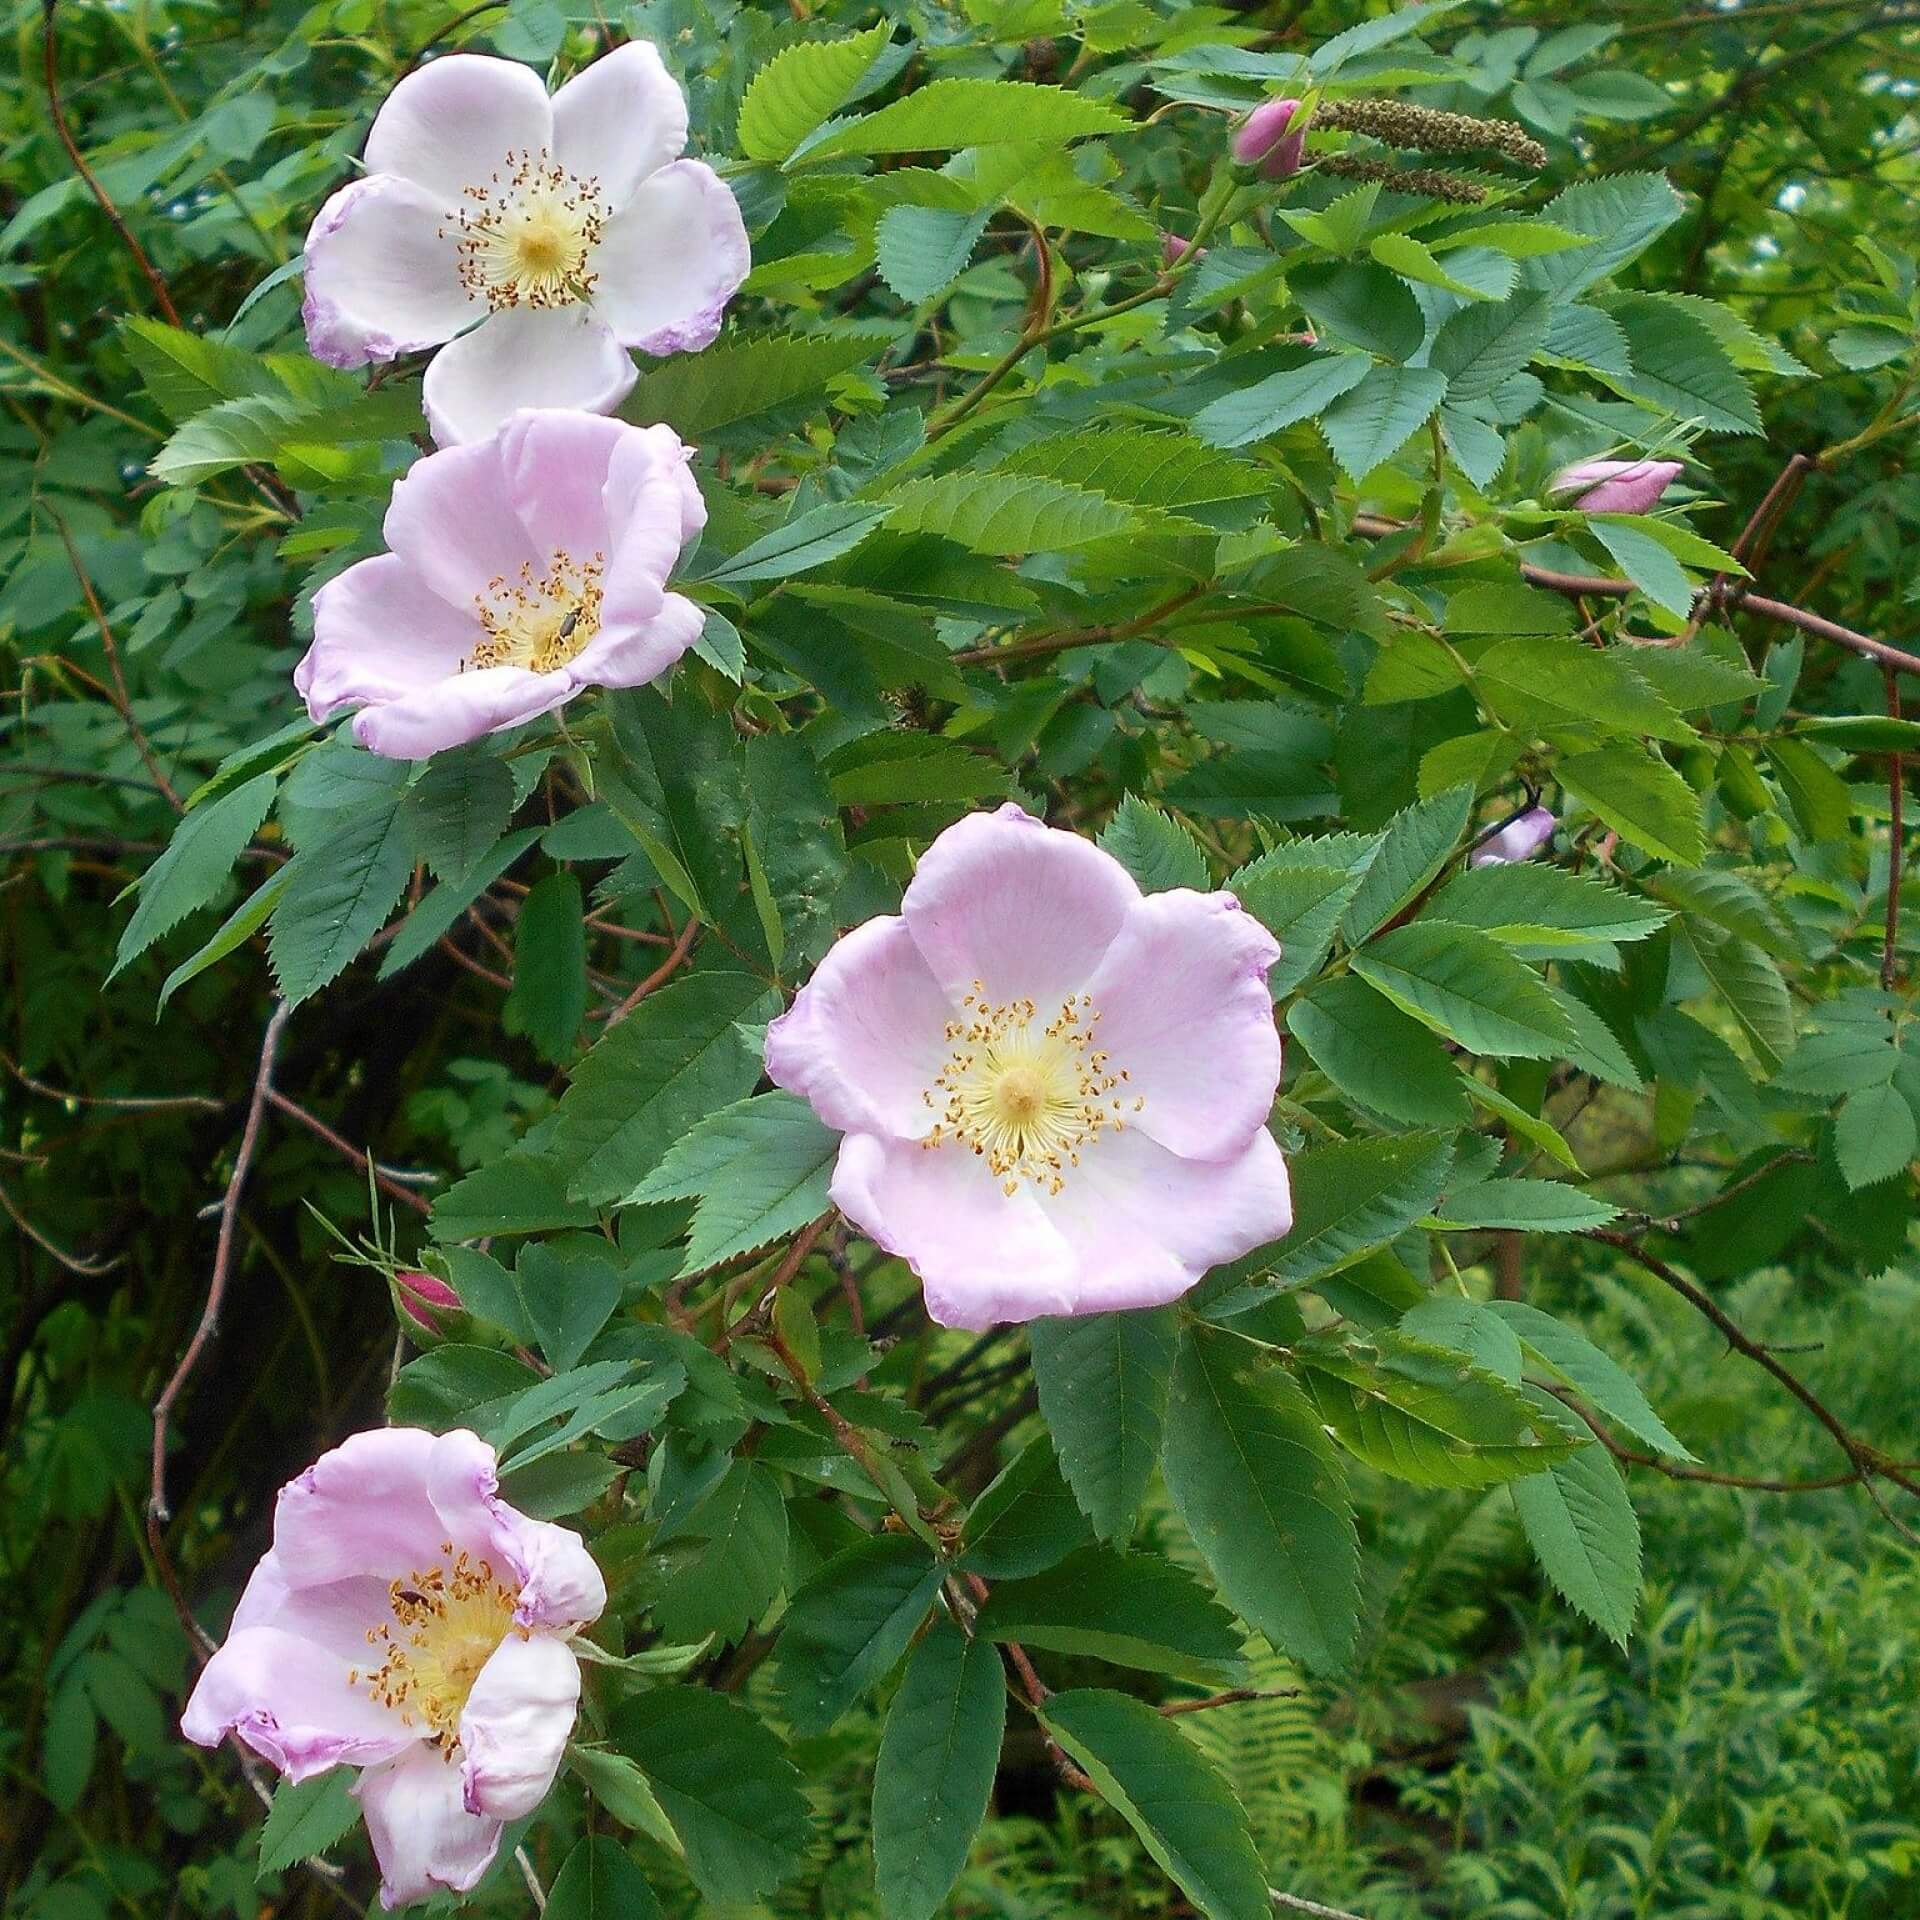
426, 1303
1616, 486
1173, 250
1262, 140
1519, 839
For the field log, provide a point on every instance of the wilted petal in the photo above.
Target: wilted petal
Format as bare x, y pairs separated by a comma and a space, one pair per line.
382, 277
619, 120
293, 1703
866, 1035
379, 632
450, 124
465, 707
1183, 1006
516, 1725
1019, 907
423, 1836
983, 1256
559, 1583
670, 260
524, 357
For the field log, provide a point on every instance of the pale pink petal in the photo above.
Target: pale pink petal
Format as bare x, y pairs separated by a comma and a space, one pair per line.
654, 509
450, 124
451, 520
381, 274
866, 1035
1184, 1009
1145, 1225
559, 1583
554, 464
983, 1256
334, 1616
633, 654
293, 1703
451, 712
516, 1724
524, 357
619, 120
423, 1836
1616, 486
1519, 839
361, 1509
379, 632
670, 260
1022, 908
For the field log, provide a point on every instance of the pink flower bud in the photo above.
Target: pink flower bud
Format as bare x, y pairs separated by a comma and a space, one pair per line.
1616, 486
1519, 839
422, 1297
1262, 140
1173, 250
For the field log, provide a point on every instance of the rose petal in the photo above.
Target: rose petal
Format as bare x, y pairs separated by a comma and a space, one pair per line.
464, 707
361, 1509
516, 1724
559, 1583
334, 1616
632, 655
619, 120
524, 357
381, 274
1184, 1009
450, 124
291, 1701
423, 1836
864, 1038
379, 632
1023, 909
654, 509
1146, 1225
983, 1256
670, 260
554, 464
451, 521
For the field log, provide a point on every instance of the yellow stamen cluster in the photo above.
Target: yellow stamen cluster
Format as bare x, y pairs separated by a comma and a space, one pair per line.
1028, 1099
528, 238
539, 621
447, 1621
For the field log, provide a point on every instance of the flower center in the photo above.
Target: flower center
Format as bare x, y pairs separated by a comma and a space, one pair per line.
528, 236
447, 1622
1027, 1098
539, 622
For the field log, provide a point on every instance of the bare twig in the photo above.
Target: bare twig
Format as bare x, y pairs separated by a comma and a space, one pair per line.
73, 1262
129, 1102
345, 1148
682, 946
1896, 838
209, 1320
532, 1879
1292, 1903
1231, 1698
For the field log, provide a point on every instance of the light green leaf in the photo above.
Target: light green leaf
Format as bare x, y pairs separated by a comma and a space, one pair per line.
945, 115
1006, 513
1467, 987
1541, 681
809, 540
1280, 400
1298, 891
1874, 1136
1600, 1380
800, 87
1638, 795
924, 250
1525, 1206
1532, 903
748, 387
1584, 1533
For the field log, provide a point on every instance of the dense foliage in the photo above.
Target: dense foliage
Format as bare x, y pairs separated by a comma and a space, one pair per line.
1240, 556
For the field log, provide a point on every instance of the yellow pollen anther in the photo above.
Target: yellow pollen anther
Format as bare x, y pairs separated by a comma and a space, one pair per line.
527, 238
539, 621
1026, 1098
448, 1620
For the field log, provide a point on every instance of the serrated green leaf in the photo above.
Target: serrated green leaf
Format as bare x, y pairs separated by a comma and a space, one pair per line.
1298, 892
676, 1058
307, 1818
1681, 367
924, 250
1280, 400
1006, 513
1377, 1056
750, 385
809, 540
1103, 1380
1570, 1356
1259, 1489
935, 1770
1467, 987
740, 1565
549, 997
1874, 1136
1531, 903
1154, 847
1377, 418
946, 115
195, 865
598, 1881
1583, 1531
1621, 214
1524, 1206
1418, 840
800, 87
1542, 681
458, 809
849, 1626
1638, 795
338, 893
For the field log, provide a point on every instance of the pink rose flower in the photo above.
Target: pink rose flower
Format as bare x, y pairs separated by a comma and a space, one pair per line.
564, 227
1262, 140
1054, 1088
1520, 839
521, 570
409, 1623
1616, 486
